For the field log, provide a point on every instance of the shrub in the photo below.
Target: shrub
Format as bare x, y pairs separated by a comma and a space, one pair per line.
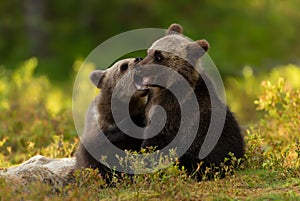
242, 91
273, 144
32, 112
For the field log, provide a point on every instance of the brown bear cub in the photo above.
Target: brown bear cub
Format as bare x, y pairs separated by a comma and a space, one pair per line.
100, 129
183, 56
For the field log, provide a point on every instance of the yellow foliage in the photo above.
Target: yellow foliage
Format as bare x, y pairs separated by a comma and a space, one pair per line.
241, 92
4, 90
3, 141
281, 105
290, 73
23, 75
31, 111
54, 102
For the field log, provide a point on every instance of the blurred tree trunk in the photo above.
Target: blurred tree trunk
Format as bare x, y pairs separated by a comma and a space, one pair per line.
35, 26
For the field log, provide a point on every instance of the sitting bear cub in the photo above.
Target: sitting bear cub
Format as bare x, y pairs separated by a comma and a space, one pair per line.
183, 56
99, 118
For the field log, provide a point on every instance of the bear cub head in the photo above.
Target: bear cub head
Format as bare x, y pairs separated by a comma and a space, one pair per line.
118, 80
175, 52
107, 79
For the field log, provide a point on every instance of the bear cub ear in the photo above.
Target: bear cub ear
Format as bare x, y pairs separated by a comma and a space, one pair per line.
197, 49
175, 29
204, 44
96, 77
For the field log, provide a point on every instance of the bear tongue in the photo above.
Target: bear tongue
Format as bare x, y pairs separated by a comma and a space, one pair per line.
140, 87
146, 80
141, 82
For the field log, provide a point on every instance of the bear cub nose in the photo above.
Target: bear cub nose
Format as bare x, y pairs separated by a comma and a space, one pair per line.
138, 59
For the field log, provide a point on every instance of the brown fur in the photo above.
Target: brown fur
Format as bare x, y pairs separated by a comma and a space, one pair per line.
176, 52
99, 116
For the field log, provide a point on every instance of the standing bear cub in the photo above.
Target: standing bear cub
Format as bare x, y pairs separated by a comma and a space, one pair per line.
99, 121
179, 54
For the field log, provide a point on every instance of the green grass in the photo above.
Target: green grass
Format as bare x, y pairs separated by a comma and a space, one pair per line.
244, 185
270, 171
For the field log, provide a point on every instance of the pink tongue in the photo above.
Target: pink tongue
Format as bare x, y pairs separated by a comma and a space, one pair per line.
146, 80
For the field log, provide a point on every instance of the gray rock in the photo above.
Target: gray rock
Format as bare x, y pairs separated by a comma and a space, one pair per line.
53, 171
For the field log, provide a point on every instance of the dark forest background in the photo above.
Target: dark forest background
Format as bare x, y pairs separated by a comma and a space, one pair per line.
260, 34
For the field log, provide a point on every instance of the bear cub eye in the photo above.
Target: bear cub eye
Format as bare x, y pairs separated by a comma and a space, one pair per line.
124, 67
158, 57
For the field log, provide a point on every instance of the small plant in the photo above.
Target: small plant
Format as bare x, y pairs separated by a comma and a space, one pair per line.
242, 91
254, 156
148, 160
273, 143
282, 110
60, 148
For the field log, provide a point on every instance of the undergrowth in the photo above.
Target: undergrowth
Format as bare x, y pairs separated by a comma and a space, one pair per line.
36, 118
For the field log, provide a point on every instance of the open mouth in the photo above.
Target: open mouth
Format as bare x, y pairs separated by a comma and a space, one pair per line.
142, 83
